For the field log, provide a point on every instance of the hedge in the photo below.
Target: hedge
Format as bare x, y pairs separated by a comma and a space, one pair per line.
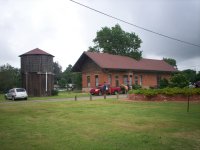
167, 91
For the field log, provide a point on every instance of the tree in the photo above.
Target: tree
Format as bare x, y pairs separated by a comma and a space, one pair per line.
190, 75
118, 42
62, 82
170, 61
197, 78
57, 70
69, 77
179, 80
67, 74
77, 79
9, 77
163, 83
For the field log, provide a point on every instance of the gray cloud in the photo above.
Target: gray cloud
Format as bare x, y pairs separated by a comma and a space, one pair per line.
176, 18
62, 26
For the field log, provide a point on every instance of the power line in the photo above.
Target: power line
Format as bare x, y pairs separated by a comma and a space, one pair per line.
197, 66
148, 30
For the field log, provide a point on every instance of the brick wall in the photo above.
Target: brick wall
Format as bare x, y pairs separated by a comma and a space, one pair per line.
89, 68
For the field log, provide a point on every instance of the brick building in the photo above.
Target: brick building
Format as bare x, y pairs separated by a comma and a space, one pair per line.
98, 68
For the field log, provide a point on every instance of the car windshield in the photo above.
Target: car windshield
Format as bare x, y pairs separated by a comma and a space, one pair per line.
20, 90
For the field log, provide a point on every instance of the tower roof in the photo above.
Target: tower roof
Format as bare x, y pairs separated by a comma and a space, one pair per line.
36, 51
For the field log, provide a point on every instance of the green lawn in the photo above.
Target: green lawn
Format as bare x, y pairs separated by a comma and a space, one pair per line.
99, 124
60, 95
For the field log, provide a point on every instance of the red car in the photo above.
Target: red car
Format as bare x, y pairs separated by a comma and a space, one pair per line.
109, 90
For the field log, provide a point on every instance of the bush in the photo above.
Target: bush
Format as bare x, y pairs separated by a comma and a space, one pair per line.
54, 92
167, 91
135, 87
179, 80
163, 83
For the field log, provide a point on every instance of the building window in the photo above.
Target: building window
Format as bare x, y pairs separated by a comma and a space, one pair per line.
96, 80
158, 80
116, 81
141, 80
88, 81
126, 79
110, 79
130, 80
136, 79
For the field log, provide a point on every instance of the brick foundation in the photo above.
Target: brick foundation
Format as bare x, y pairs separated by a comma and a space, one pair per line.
161, 97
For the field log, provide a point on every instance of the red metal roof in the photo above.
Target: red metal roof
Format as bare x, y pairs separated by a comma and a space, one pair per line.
36, 51
108, 61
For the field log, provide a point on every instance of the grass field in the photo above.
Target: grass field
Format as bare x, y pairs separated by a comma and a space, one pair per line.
99, 124
63, 94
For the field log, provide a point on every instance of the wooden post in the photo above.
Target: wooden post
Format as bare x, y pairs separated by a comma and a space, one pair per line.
75, 98
104, 95
117, 95
188, 104
90, 97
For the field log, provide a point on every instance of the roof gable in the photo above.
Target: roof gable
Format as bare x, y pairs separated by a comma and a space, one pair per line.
109, 61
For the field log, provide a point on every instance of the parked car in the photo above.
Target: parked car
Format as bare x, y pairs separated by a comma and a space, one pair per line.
16, 93
109, 90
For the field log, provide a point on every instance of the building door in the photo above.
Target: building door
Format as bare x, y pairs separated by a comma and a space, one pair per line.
116, 80
126, 79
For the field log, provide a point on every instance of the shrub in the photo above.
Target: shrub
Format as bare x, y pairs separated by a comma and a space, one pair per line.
135, 92
54, 92
135, 87
163, 83
167, 91
179, 80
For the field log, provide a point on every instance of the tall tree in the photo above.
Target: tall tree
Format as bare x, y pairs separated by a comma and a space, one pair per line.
57, 70
67, 74
77, 80
197, 78
69, 68
170, 61
190, 75
69, 77
9, 77
118, 42
179, 80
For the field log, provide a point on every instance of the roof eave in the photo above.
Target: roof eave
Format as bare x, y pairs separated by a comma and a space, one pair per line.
36, 54
141, 70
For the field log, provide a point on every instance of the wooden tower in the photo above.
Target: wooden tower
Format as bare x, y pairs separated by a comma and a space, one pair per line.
37, 72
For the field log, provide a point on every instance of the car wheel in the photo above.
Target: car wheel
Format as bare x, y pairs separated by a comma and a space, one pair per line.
13, 98
26, 98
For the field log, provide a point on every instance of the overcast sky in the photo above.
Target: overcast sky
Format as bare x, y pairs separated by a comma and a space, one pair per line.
65, 29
